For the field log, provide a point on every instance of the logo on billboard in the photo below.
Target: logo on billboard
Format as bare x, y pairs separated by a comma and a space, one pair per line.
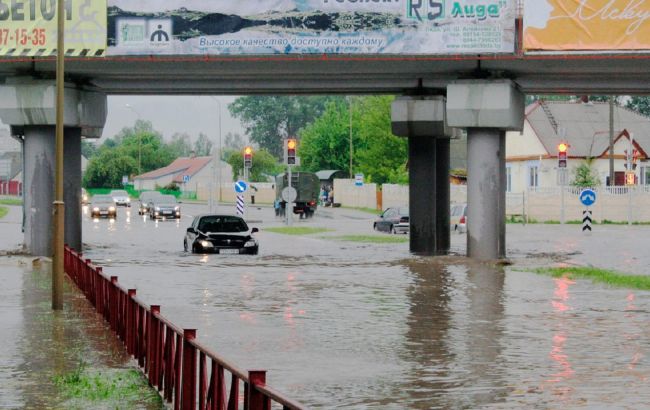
425, 9
138, 32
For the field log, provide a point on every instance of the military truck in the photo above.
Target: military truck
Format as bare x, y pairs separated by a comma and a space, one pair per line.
307, 185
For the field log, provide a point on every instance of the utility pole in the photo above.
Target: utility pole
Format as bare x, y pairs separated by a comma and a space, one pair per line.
611, 140
59, 206
351, 147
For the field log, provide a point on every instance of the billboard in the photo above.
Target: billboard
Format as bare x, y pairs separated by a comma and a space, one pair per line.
586, 25
29, 28
275, 27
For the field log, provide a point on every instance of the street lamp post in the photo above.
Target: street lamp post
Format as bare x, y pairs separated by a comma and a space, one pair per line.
129, 106
216, 162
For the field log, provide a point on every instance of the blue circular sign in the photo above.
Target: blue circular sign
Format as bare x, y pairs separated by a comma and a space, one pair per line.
241, 186
588, 197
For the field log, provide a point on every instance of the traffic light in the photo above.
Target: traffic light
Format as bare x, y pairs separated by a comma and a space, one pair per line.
292, 144
562, 149
248, 157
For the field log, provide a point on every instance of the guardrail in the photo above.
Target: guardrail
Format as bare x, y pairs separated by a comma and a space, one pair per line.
168, 354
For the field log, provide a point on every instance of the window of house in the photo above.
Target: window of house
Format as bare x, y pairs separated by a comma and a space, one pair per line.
533, 174
645, 175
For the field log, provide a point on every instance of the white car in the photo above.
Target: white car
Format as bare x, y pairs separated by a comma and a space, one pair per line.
458, 220
121, 197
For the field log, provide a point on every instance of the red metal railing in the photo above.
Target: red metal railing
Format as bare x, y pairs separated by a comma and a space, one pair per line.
167, 354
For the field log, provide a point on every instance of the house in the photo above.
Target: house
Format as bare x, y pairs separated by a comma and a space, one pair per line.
191, 174
532, 155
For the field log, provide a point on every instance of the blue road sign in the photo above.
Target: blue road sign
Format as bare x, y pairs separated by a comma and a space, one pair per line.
588, 197
241, 186
186, 179
358, 179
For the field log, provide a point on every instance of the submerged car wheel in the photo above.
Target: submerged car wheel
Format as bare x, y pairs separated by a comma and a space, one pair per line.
393, 230
185, 246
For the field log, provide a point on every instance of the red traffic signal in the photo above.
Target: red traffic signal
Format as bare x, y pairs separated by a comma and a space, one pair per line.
562, 149
248, 157
292, 144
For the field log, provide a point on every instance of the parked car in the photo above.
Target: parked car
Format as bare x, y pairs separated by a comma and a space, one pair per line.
458, 219
121, 197
164, 206
220, 234
102, 206
393, 220
145, 198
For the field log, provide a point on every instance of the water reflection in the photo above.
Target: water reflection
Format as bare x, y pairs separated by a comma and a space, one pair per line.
454, 334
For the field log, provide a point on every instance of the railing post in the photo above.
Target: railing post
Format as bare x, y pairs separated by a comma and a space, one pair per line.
112, 303
152, 345
188, 396
99, 291
131, 327
256, 399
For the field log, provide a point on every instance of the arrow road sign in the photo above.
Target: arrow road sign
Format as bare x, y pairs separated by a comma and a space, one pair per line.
241, 186
586, 220
588, 197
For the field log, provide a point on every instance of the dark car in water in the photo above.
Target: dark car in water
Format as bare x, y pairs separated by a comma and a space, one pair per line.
164, 207
102, 206
223, 234
145, 198
393, 220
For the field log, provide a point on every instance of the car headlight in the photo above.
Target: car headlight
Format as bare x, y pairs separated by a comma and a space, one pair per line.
128, 199
178, 208
95, 209
250, 243
206, 244
111, 208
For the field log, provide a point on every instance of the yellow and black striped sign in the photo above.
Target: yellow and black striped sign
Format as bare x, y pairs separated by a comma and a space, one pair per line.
29, 28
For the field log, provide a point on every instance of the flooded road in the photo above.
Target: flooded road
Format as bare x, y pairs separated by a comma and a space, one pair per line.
342, 324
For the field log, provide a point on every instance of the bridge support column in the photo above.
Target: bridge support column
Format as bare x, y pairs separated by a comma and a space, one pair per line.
487, 109
422, 120
29, 106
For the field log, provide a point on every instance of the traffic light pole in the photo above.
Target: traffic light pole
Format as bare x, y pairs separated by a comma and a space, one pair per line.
289, 206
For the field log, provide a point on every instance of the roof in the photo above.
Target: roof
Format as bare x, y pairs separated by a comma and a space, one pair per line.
327, 174
586, 126
178, 168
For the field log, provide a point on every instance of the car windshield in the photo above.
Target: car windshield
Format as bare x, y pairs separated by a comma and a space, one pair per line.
102, 199
149, 195
404, 212
222, 224
164, 200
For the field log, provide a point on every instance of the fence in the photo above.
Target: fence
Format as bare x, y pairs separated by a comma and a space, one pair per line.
168, 354
13, 188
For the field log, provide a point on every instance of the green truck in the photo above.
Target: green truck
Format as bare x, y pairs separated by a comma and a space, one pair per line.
307, 185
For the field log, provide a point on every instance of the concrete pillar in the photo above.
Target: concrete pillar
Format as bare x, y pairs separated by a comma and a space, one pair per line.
29, 106
487, 109
422, 120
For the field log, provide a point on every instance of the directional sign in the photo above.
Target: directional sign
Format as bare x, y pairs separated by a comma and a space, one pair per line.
586, 221
241, 186
358, 179
289, 194
186, 179
588, 197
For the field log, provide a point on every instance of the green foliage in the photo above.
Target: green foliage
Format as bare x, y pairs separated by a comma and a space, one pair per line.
377, 153
172, 186
585, 176
181, 145
613, 278
106, 169
270, 119
264, 165
88, 149
126, 386
202, 146
640, 104
3, 211
298, 230
234, 142
13, 202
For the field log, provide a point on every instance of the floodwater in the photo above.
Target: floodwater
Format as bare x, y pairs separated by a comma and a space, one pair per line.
354, 325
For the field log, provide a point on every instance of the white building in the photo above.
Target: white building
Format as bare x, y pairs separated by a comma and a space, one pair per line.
532, 155
191, 174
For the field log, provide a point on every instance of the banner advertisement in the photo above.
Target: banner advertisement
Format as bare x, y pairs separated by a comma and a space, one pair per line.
29, 27
586, 25
262, 27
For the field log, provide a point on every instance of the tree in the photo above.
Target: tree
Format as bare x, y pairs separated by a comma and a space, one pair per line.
202, 146
584, 175
264, 165
270, 119
234, 141
106, 169
640, 104
181, 145
88, 149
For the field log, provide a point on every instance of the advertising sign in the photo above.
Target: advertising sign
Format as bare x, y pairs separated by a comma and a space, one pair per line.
263, 27
586, 25
29, 27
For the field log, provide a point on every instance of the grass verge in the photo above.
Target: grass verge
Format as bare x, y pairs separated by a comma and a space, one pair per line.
3, 211
126, 387
13, 202
609, 277
372, 238
297, 230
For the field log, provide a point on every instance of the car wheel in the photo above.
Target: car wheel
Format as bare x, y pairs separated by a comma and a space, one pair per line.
185, 245
374, 227
393, 230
